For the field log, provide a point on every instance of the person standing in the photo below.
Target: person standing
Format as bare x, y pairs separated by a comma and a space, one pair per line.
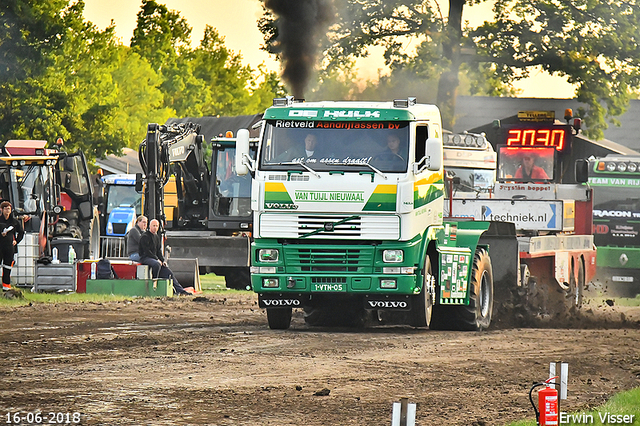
11, 233
133, 238
151, 255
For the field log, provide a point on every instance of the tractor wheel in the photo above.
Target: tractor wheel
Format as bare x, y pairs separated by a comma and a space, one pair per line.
422, 308
279, 318
476, 315
90, 233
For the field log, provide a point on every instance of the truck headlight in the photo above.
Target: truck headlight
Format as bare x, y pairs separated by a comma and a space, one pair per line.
270, 283
268, 255
392, 256
386, 283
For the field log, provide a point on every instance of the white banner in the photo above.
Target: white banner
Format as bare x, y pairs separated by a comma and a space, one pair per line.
527, 215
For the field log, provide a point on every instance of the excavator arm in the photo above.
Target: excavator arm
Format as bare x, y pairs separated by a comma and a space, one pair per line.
176, 149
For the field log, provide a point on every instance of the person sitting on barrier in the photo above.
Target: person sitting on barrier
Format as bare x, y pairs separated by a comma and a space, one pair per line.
133, 238
151, 255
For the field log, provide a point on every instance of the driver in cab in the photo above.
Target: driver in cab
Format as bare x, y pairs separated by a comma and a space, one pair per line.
393, 146
528, 171
300, 152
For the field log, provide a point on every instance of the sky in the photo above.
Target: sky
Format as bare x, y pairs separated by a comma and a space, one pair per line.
236, 21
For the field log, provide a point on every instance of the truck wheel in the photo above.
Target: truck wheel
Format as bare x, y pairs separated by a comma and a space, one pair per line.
422, 308
279, 318
476, 315
90, 233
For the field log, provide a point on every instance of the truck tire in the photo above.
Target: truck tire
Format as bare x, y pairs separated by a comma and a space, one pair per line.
422, 307
90, 230
279, 318
476, 315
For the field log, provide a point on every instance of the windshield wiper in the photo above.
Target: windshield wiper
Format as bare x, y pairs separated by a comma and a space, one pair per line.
330, 226
363, 164
26, 175
296, 163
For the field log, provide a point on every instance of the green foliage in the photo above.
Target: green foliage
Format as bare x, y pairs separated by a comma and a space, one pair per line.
594, 44
624, 403
62, 77
208, 80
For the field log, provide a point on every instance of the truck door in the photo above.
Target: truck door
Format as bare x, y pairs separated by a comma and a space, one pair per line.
75, 183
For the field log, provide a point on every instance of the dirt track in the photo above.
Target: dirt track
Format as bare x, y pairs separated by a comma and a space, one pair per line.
212, 360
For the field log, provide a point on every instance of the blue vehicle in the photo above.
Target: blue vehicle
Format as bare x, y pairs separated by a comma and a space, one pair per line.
120, 204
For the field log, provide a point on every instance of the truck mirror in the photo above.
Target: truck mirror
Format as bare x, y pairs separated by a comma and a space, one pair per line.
138, 182
242, 150
582, 171
434, 154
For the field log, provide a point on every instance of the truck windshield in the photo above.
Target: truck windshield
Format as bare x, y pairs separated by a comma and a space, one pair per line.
340, 146
233, 192
616, 216
30, 188
123, 196
472, 181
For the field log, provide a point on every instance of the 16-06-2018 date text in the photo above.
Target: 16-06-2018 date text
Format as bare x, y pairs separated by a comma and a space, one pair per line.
42, 418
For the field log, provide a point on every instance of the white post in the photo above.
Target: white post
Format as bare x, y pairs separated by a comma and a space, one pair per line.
403, 413
395, 414
564, 379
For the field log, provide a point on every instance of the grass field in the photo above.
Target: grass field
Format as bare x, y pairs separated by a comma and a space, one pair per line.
210, 284
622, 404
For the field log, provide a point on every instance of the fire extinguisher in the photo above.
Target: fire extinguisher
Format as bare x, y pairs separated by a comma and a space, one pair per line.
547, 403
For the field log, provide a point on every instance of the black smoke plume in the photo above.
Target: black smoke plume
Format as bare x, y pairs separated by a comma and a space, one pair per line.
301, 24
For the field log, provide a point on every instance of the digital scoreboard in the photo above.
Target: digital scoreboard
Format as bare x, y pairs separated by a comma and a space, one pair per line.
538, 134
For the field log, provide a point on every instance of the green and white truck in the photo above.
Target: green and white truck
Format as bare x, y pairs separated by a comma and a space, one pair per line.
348, 202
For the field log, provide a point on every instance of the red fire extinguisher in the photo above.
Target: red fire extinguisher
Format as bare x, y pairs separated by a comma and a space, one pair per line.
547, 403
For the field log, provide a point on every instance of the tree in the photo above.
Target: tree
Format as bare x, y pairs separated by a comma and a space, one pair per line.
59, 81
64, 78
208, 80
594, 44
362, 24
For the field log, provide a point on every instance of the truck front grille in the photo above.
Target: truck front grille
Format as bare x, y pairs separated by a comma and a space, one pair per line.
329, 259
328, 280
119, 228
322, 226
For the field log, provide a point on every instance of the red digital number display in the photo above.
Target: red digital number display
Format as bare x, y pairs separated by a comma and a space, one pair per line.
539, 136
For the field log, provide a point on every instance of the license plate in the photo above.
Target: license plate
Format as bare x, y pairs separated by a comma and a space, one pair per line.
622, 279
329, 287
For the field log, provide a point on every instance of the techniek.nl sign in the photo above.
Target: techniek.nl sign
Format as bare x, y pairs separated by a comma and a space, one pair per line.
529, 215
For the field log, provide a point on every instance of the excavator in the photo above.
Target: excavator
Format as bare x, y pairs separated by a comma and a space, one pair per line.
207, 220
